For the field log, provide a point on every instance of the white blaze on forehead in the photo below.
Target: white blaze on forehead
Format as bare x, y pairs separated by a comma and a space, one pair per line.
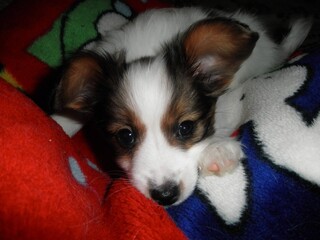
148, 91
149, 94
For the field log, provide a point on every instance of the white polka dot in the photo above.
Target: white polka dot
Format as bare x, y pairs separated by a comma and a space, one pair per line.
76, 171
93, 166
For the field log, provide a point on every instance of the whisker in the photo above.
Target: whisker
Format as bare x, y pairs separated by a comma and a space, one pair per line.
108, 196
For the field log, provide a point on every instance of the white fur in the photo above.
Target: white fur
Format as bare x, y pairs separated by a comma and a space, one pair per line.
229, 112
156, 160
147, 33
223, 153
148, 94
267, 55
145, 37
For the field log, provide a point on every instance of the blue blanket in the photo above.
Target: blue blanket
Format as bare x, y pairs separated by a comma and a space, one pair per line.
275, 193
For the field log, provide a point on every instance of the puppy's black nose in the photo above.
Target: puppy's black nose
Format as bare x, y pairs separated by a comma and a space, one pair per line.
166, 194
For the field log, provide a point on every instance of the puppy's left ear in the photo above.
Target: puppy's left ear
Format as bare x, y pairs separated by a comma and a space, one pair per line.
215, 49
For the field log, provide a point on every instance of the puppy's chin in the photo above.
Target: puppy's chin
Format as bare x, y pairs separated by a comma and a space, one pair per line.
187, 184
186, 192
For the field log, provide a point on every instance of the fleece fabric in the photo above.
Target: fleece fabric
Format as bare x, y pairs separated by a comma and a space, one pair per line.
52, 188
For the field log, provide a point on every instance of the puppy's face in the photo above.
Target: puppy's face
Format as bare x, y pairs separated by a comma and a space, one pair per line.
156, 123
158, 110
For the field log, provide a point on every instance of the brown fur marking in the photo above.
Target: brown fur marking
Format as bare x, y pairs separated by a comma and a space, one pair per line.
179, 111
126, 118
227, 42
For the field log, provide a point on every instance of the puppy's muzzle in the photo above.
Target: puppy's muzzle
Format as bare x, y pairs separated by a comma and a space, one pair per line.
165, 194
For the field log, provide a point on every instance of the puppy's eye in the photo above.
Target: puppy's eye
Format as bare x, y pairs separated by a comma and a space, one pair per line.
185, 129
126, 138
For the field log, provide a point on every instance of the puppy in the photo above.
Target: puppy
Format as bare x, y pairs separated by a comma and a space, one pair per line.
153, 83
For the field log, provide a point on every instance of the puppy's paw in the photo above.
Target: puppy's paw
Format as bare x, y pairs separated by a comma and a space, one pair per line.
220, 157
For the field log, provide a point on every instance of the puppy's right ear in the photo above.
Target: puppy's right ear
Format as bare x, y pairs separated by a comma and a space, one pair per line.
79, 87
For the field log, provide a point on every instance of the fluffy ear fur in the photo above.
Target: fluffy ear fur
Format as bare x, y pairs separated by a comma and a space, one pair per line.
84, 77
215, 49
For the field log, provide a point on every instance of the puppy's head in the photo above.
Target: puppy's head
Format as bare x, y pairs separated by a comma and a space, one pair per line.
158, 110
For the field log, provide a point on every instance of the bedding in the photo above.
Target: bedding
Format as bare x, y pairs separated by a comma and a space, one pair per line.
53, 186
